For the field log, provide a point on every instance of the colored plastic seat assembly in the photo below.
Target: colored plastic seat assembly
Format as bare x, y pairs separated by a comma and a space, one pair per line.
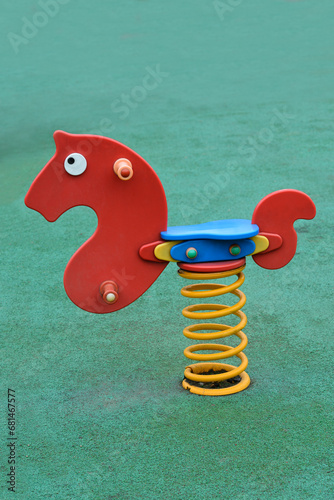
132, 246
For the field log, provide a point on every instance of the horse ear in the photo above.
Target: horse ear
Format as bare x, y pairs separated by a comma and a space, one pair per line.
60, 138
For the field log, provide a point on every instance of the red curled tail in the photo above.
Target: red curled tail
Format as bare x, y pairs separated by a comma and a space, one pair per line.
275, 214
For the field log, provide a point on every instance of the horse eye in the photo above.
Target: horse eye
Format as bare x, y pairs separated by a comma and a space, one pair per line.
75, 164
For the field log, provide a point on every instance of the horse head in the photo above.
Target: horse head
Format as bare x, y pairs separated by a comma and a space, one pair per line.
130, 204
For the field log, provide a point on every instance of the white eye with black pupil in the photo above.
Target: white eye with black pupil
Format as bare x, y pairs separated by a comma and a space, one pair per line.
75, 164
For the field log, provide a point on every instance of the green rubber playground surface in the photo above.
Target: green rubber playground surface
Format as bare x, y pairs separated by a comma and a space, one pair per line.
228, 101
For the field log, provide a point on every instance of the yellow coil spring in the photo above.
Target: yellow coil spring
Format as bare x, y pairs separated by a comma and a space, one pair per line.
198, 372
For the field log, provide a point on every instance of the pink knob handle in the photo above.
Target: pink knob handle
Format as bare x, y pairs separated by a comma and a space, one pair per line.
123, 169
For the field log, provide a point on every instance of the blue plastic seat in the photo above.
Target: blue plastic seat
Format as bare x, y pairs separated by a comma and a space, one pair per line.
229, 229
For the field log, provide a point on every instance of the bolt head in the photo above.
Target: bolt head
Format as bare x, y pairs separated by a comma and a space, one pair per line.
191, 253
235, 250
111, 297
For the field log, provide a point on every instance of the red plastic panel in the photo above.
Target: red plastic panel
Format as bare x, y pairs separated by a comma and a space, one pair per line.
130, 213
275, 241
146, 252
276, 213
212, 267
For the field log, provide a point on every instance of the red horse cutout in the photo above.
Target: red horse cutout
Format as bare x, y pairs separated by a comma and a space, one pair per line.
130, 214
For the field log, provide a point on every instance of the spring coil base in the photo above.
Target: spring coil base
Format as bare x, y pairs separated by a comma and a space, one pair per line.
198, 372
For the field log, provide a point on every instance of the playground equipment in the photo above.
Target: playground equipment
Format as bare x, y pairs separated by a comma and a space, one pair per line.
132, 245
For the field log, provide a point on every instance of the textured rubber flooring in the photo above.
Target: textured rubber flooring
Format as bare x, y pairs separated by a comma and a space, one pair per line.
227, 101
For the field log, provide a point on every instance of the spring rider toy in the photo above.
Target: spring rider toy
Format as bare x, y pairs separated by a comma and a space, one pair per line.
132, 239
